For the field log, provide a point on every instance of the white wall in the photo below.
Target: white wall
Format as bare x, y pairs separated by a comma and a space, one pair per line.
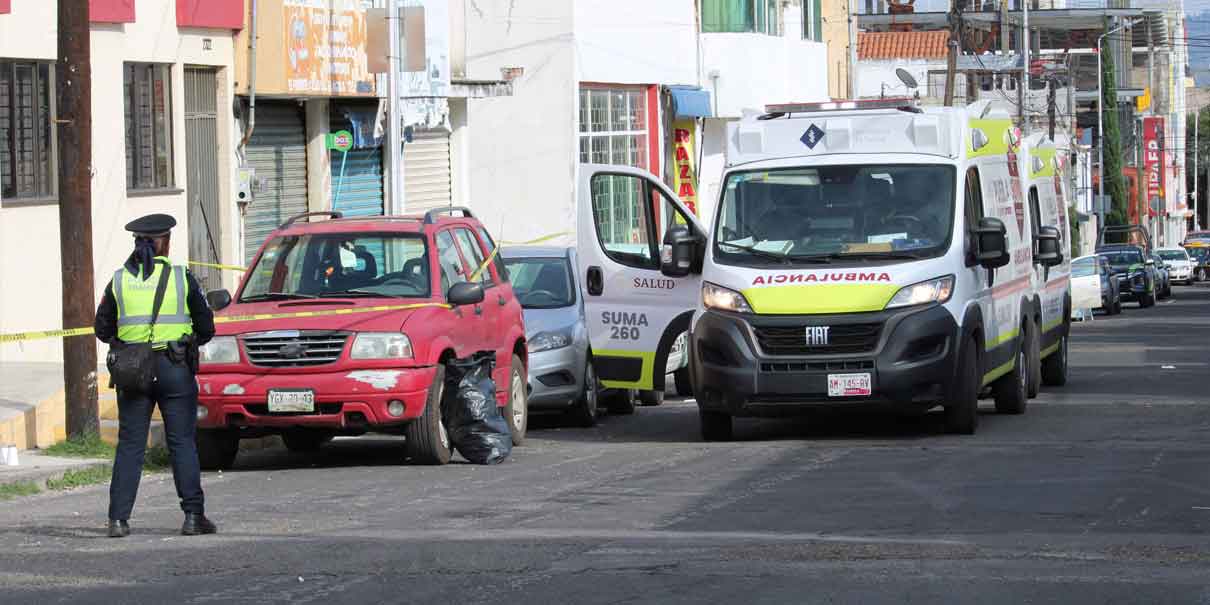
522, 154
872, 75
636, 41
29, 236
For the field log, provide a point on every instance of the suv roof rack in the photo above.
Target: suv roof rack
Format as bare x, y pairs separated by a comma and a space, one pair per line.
431, 216
334, 214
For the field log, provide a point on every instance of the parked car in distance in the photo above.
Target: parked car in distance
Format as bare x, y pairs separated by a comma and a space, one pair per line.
561, 373
389, 302
1134, 270
1093, 266
1180, 266
1199, 253
1163, 284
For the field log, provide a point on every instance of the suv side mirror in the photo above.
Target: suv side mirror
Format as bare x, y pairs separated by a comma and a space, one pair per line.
218, 299
465, 293
991, 243
679, 256
1049, 254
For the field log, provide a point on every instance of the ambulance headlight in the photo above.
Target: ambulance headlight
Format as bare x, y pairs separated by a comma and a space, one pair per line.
723, 299
936, 290
221, 349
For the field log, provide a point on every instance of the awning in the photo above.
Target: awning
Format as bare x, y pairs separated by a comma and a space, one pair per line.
690, 102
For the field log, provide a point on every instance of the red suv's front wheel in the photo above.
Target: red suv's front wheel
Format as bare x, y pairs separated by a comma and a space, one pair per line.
427, 440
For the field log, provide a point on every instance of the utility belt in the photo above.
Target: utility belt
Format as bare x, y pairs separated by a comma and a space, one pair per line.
183, 351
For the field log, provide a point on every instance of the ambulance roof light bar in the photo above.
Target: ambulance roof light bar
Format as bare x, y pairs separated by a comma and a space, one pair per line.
904, 103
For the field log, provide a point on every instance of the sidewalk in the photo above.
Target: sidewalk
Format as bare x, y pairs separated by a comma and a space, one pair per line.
39, 468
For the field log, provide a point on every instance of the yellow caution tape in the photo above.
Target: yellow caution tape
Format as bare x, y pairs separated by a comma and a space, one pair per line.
20, 336
217, 266
45, 334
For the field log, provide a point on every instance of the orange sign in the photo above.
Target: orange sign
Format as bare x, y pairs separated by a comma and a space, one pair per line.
326, 48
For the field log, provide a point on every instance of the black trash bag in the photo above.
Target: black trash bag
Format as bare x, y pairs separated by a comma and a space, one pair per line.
474, 423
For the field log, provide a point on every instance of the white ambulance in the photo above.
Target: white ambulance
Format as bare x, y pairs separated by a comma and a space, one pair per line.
1046, 165
861, 253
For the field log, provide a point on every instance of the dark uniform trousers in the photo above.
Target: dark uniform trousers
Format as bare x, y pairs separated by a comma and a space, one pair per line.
175, 391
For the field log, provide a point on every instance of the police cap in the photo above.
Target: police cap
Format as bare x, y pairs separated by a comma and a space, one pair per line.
152, 225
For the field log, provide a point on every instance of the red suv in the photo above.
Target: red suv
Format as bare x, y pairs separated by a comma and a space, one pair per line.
344, 326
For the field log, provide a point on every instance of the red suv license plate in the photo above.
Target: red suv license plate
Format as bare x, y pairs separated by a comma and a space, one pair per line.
291, 400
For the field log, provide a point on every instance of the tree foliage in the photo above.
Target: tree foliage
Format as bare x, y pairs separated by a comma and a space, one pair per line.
1115, 182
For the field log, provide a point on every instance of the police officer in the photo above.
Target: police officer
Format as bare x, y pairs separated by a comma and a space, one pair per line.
185, 321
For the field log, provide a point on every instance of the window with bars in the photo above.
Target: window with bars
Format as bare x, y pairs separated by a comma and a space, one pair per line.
148, 92
27, 131
613, 130
742, 16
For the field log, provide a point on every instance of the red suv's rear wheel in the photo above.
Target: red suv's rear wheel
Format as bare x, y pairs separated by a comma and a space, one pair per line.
517, 411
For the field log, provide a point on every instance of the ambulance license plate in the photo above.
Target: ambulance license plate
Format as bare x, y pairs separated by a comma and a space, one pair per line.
291, 400
849, 385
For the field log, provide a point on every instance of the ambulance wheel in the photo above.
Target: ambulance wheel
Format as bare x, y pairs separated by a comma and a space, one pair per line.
1011, 390
962, 413
1054, 368
427, 440
1034, 350
517, 410
651, 398
620, 401
217, 448
716, 426
683, 383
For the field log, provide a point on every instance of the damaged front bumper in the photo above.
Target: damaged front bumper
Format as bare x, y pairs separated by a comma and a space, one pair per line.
355, 400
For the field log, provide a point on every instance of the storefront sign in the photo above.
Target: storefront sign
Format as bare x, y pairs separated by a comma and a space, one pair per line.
326, 48
1153, 156
684, 176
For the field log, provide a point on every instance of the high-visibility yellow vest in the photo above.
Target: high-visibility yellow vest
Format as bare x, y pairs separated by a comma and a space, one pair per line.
135, 298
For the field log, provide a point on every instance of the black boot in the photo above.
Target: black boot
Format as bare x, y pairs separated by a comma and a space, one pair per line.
118, 529
197, 524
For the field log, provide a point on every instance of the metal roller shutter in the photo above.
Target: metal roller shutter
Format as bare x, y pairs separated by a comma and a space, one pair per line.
361, 193
427, 171
278, 153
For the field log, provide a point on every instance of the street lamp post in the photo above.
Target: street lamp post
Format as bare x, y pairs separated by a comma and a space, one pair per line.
1100, 122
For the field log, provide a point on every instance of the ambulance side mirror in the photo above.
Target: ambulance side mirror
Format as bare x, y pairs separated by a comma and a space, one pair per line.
991, 243
218, 299
682, 252
1049, 252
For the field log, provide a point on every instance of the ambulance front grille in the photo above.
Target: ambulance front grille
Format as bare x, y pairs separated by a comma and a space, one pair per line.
843, 339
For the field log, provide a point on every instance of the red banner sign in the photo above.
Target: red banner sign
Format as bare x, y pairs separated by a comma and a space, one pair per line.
1153, 156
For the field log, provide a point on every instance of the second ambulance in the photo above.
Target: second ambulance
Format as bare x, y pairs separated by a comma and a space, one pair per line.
862, 253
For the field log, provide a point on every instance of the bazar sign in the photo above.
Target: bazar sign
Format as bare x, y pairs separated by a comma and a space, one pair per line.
326, 48
684, 179
1153, 155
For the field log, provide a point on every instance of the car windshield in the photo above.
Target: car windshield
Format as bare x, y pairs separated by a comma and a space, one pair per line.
1084, 267
1121, 257
1172, 254
827, 213
1198, 253
340, 265
541, 283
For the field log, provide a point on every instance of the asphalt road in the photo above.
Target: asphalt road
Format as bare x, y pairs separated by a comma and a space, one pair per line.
1099, 494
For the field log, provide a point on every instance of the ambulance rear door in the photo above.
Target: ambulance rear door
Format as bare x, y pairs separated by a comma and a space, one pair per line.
637, 303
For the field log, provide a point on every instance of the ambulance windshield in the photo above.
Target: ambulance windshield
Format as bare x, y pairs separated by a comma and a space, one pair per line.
828, 213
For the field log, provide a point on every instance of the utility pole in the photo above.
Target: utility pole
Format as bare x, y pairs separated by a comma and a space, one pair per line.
1197, 171
955, 46
852, 70
396, 203
73, 97
1025, 48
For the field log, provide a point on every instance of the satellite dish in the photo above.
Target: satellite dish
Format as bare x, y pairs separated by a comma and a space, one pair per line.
905, 77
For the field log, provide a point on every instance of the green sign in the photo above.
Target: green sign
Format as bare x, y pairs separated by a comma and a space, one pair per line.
341, 140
